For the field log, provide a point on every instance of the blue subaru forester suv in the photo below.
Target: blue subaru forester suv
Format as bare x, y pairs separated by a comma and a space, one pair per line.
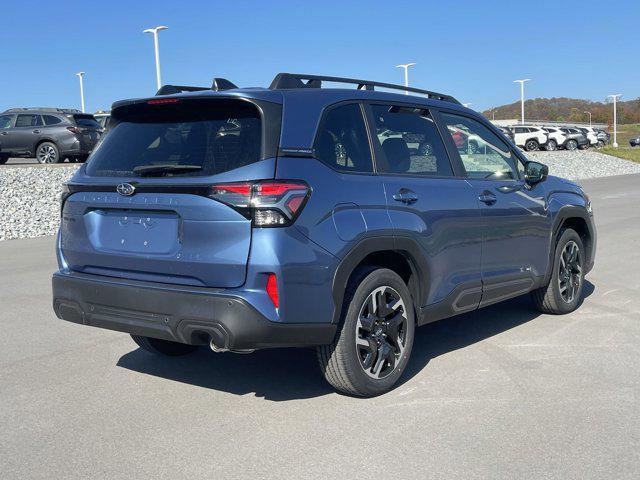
335, 218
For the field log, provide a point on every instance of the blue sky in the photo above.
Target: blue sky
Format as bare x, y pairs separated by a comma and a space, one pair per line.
470, 49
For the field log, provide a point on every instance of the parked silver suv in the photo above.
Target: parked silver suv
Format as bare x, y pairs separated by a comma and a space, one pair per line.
49, 134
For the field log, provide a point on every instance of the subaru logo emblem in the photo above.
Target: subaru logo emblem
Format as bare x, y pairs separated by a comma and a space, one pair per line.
126, 189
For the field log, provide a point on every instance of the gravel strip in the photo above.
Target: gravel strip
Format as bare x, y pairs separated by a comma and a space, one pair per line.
581, 164
29, 200
29, 195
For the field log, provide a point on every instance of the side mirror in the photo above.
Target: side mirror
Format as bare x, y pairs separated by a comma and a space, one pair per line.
535, 172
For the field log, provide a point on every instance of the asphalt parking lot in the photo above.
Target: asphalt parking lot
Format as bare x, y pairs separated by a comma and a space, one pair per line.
504, 392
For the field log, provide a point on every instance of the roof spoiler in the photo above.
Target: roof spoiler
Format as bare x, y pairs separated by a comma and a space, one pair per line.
217, 85
300, 80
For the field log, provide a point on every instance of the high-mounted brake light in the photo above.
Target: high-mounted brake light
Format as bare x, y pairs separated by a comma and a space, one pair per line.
160, 101
268, 203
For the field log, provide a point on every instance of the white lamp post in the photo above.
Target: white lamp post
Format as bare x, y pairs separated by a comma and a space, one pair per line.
589, 113
615, 118
80, 75
155, 31
406, 73
521, 82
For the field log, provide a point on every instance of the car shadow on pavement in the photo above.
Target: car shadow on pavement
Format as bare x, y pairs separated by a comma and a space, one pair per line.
290, 374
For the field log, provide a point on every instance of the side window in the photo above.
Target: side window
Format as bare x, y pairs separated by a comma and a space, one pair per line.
483, 154
51, 120
410, 141
5, 121
518, 130
342, 141
28, 121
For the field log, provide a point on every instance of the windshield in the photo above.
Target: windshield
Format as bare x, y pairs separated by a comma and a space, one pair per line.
179, 139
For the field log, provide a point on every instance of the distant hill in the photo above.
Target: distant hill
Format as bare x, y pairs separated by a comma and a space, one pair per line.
568, 110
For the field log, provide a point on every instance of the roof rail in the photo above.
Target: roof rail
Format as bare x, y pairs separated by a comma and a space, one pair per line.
297, 80
217, 85
43, 109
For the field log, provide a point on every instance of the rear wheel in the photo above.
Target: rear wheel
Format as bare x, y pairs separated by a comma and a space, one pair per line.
551, 145
47, 152
163, 347
564, 291
373, 345
531, 145
600, 144
571, 145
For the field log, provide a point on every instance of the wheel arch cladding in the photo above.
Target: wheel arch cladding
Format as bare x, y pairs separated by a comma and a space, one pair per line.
577, 219
399, 255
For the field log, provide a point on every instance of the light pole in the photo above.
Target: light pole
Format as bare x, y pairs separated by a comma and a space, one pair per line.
155, 44
615, 118
521, 82
80, 75
589, 113
406, 73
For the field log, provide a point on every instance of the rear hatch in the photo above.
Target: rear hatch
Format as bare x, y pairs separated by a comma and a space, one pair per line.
88, 130
142, 207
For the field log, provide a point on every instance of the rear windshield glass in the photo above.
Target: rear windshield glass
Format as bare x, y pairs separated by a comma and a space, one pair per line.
187, 138
86, 121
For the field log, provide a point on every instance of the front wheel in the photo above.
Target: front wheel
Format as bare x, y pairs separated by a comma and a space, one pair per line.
551, 145
163, 347
373, 345
563, 293
600, 144
531, 145
47, 152
571, 145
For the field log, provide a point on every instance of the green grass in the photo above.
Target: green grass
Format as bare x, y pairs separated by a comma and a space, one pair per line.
626, 132
626, 152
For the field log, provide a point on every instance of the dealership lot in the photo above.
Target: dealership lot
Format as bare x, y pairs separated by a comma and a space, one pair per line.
503, 392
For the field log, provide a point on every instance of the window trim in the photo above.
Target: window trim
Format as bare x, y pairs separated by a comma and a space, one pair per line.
378, 147
316, 136
492, 129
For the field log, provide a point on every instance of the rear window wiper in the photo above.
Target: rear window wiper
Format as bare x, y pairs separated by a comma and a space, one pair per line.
143, 170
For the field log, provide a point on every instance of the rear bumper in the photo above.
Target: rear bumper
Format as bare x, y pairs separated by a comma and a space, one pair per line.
187, 315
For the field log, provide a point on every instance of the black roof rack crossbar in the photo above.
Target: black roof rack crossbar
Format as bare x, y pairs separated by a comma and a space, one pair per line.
297, 80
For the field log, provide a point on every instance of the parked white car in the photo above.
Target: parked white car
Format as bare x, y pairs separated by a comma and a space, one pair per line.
556, 140
591, 135
529, 138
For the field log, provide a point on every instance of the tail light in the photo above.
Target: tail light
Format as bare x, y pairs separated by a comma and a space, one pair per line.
74, 129
268, 203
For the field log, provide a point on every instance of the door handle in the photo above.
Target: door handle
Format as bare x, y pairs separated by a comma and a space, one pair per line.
405, 195
36, 131
3, 133
487, 197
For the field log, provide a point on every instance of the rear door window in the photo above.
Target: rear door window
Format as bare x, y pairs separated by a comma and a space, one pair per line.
410, 141
28, 121
186, 138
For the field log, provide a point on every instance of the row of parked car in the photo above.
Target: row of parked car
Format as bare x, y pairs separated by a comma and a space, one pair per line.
531, 137
51, 135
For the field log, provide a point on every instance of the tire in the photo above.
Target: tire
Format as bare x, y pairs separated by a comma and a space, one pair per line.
367, 359
551, 298
531, 145
47, 152
571, 145
163, 347
600, 144
551, 146
4, 159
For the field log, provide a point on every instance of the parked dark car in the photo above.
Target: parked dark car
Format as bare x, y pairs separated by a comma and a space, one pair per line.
338, 218
102, 118
575, 138
635, 142
49, 134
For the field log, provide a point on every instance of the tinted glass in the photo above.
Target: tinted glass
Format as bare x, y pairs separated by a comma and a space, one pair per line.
410, 141
207, 137
342, 141
518, 130
51, 120
28, 121
483, 154
86, 121
5, 121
